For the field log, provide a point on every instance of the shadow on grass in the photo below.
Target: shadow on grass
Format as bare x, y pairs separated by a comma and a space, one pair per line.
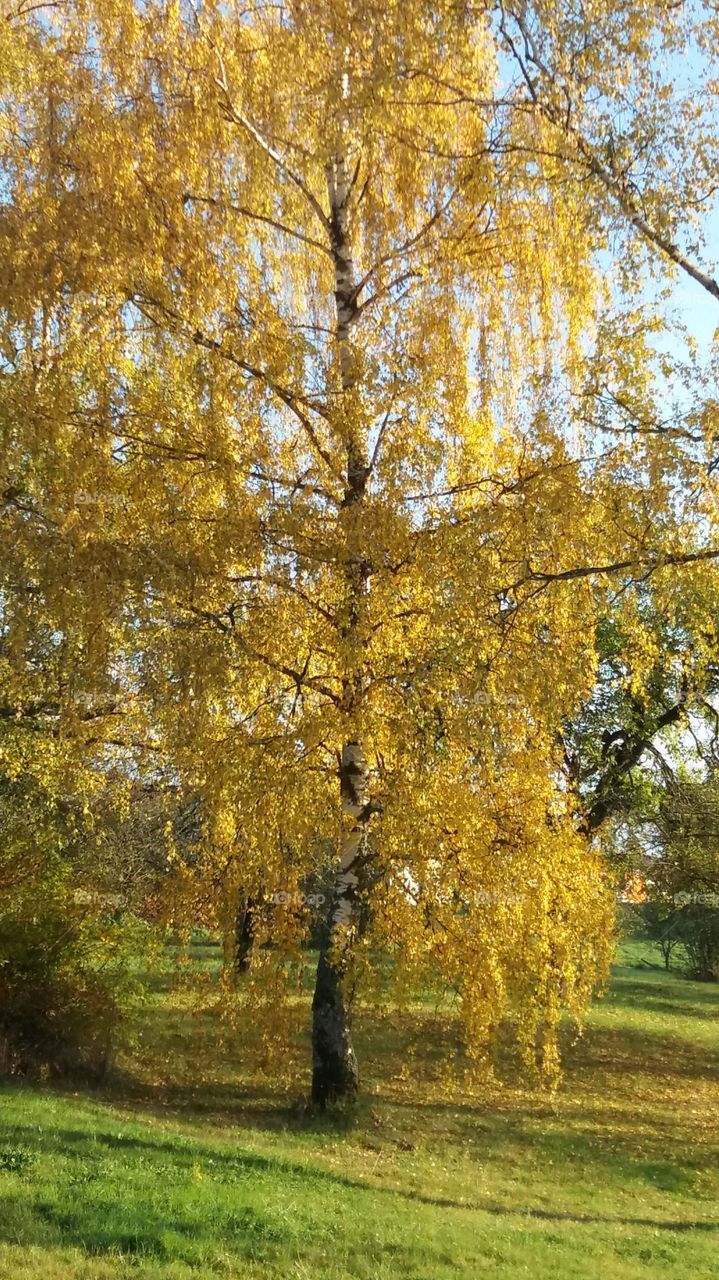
664, 992
614, 1054
580, 1150
627, 1052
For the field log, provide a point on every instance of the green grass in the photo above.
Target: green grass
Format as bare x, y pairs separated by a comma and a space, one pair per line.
194, 1166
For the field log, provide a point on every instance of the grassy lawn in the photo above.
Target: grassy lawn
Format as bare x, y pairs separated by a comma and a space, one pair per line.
192, 1166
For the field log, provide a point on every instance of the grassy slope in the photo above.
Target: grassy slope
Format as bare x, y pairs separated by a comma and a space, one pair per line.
170, 1177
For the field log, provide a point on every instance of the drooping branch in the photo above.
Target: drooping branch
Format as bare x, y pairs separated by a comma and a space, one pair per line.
297, 403
40, 711
237, 117
253, 215
561, 118
226, 624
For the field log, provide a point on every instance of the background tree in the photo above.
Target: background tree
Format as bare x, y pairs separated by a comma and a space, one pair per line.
685, 867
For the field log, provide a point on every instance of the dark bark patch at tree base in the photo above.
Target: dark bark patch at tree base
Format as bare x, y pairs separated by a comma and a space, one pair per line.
335, 1075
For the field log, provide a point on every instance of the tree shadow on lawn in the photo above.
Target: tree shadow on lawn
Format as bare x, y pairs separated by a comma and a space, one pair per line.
423, 1036
631, 1053
574, 1153
241, 1096
105, 1225
670, 993
613, 1056
635, 1137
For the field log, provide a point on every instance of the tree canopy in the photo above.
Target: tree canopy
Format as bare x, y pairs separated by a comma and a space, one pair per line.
334, 429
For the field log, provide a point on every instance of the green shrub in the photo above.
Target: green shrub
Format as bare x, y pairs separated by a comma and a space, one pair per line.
66, 983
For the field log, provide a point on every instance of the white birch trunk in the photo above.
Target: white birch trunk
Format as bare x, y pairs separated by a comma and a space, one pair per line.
335, 1074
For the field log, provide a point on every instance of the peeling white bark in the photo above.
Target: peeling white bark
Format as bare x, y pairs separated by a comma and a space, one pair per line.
355, 801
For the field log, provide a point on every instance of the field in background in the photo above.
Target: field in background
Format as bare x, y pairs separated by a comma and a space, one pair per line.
191, 1165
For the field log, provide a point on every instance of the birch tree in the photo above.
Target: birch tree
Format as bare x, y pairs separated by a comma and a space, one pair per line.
318, 457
